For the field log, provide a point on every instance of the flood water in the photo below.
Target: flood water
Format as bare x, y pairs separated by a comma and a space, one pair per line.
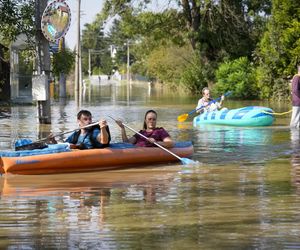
243, 194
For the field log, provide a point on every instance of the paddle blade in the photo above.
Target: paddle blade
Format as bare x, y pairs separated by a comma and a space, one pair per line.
187, 161
228, 93
182, 117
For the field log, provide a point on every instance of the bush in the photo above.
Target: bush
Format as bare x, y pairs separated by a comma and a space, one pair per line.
196, 75
63, 62
179, 67
238, 76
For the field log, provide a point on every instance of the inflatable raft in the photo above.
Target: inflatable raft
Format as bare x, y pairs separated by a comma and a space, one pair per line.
63, 160
246, 116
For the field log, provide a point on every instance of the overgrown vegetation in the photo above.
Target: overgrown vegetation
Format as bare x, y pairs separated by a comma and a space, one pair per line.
63, 62
250, 47
238, 76
16, 17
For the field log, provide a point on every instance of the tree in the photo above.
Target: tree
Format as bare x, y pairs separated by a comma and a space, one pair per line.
16, 17
239, 76
93, 39
216, 30
279, 49
63, 62
209, 25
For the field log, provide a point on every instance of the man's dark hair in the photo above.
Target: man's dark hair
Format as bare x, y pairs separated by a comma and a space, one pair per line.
83, 112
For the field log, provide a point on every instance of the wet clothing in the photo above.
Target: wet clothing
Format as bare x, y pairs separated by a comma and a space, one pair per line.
159, 134
89, 139
295, 120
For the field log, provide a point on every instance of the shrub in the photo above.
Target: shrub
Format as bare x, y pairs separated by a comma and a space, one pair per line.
238, 76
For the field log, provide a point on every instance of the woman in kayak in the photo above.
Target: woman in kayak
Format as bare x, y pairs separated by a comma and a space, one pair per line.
154, 134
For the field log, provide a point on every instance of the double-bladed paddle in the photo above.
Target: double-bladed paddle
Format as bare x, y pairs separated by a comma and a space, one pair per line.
41, 144
183, 160
183, 117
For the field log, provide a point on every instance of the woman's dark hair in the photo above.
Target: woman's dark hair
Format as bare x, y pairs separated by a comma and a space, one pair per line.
83, 112
149, 111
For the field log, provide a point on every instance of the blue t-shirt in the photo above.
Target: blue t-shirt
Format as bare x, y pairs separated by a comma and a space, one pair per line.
86, 139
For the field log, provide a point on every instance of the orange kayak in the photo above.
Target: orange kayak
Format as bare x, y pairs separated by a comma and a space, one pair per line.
117, 156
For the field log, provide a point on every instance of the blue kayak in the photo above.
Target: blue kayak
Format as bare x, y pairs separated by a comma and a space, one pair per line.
250, 116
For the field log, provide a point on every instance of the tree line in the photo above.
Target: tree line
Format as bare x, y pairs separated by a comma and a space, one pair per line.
251, 47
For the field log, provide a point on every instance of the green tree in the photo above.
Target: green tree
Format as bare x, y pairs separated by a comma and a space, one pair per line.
16, 17
279, 49
145, 32
215, 29
63, 62
238, 76
94, 39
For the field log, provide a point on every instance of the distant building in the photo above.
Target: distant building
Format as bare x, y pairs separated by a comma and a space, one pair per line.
20, 72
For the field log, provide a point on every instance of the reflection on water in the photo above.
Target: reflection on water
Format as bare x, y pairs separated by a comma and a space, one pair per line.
295, 159
226, 144
66, 210
244, 195
116, 209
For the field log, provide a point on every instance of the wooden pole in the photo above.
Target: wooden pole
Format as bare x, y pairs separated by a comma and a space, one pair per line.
77, 62
62, 77
42, 63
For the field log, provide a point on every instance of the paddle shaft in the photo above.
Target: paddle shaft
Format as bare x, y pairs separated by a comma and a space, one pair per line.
158, 145
211, 102
70, 131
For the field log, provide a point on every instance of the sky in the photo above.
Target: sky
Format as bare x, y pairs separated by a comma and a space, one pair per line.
89, 10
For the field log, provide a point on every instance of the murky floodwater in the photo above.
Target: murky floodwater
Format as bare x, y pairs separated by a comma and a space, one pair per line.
244, 194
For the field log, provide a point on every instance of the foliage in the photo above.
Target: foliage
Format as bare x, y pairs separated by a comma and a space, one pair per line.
238, 76
279, 48
97, 46
216, 30
63, 62
168, 63
196, 75
265, 81
16, 17
145, 32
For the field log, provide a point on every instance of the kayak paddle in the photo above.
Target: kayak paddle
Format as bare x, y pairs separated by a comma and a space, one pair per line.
183, 117
183, 160
25, 144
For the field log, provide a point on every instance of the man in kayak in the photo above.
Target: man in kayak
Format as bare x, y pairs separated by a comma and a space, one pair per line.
204, 103
154, 134
97, 136
295, 120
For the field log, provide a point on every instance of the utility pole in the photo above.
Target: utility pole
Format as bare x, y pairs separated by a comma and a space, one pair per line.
42, 64
62, 78
128, 73
128, 62
78, 60
90, 72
